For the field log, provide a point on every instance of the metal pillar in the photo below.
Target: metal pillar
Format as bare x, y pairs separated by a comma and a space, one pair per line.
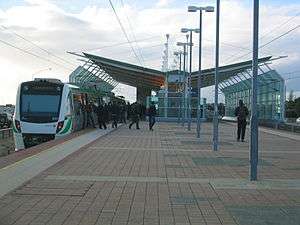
179, 97
166, 81
199, 83
254, 117
184, 86
216, 110
190, 86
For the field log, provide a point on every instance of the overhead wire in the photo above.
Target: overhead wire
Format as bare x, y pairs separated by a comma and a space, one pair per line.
37, 46
33, 54
268, 33
124, 32
133, 33
117, 44
264, 45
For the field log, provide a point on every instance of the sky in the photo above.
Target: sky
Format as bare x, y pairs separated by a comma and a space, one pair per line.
54, 27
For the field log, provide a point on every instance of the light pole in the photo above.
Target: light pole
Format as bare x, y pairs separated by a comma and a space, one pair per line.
166, 100
183, 93
254, 117
185, 30
216, 109
179, 54
199, 80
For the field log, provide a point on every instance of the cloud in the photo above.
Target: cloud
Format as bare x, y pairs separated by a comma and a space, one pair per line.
163, 3
58, 30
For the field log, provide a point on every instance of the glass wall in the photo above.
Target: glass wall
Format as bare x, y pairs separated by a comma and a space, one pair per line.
176, 106
271, 96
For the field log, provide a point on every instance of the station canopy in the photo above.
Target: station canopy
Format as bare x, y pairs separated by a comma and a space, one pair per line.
142, 77
130, 74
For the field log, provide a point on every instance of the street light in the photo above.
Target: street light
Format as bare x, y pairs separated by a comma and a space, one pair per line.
185, 30
183, 93
199, 80
179, 54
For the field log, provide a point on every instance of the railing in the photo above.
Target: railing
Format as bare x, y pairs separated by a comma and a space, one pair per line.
6, 133
292, 127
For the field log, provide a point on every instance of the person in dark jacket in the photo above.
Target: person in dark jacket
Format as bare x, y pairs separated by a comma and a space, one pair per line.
151, 115
241, 112
135, 115
101, 116
89, 111
114, 115
123, 113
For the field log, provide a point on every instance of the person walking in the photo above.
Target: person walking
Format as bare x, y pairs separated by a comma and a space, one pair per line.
135, 115
101, 116
123, 113
241, 112
114, 115
151, 115
89, 111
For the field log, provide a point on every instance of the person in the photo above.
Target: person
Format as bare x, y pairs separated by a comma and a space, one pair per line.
89, 111
101, 116
114, 115
151, 114
123, 113
135, 115
241, 112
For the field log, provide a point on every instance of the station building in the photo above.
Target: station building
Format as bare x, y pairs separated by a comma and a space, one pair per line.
171, 96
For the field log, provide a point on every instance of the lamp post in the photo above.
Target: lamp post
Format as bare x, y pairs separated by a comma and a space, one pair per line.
179, 54
199, 80
254, 116
183, 93
185, 30
216, 109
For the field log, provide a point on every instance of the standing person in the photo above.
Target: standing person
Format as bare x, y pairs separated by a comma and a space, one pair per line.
101, 116
135, 115
89, 111
114, 115
241, 112
151, 114
128, 109
106, 113
123, 113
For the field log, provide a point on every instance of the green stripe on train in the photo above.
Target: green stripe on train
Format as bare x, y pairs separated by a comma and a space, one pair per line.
67, 127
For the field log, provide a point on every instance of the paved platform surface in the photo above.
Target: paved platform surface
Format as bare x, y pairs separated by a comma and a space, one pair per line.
163, 177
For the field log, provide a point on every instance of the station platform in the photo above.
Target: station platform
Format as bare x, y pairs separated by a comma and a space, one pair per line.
163, 177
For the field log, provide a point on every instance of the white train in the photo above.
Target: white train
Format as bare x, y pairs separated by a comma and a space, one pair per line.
46, 109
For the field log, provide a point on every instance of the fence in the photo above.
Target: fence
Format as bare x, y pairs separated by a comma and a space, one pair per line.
6, 133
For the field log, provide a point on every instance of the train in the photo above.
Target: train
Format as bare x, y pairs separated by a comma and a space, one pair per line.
48, 109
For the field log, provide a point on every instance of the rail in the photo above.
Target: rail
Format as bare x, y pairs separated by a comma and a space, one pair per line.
6, 133
291, 127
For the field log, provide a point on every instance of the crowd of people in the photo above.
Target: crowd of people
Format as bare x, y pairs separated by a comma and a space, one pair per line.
115, 113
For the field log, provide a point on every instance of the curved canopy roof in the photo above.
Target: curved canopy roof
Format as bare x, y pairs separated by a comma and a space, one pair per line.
147, 78
130, 74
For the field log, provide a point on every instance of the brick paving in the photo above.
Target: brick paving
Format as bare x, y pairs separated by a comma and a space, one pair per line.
163, 177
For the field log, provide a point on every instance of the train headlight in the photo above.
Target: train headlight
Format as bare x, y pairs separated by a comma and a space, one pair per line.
60, 125
18, 125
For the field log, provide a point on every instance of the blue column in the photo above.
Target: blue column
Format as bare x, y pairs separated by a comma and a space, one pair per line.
254, 116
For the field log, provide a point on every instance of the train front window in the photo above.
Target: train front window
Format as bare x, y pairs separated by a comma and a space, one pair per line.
40, 104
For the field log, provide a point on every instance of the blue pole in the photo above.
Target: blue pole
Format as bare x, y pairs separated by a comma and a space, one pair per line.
254, 117
184, 86
179, 87
190, 86
216, 111
199, 78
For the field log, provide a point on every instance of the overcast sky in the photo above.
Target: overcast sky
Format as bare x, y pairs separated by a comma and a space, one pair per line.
76, 25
